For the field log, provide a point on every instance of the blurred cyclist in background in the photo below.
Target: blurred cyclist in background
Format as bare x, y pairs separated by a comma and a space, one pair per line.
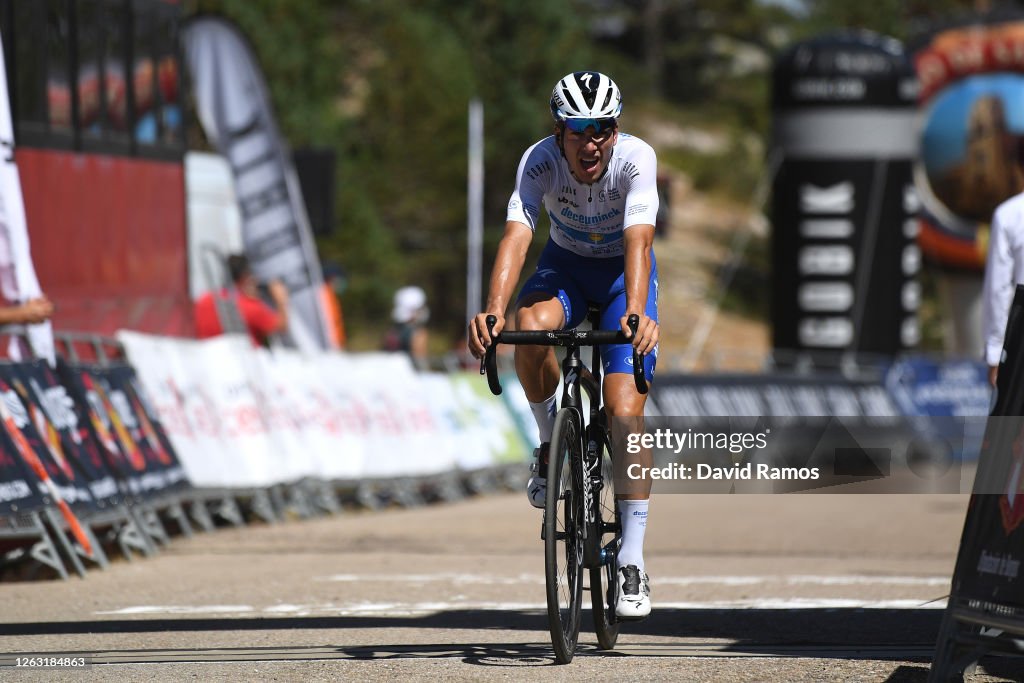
598, 188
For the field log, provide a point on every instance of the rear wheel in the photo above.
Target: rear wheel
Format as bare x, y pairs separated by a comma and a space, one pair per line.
563, 536
603, 581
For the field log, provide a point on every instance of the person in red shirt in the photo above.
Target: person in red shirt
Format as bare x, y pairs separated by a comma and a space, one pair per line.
259, 319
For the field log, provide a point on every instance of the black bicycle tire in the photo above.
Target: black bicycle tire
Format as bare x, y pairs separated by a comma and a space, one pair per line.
564, 627
602, 586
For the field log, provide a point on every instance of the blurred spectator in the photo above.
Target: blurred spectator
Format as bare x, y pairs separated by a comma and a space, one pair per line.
408, 332
335, 282
259, 319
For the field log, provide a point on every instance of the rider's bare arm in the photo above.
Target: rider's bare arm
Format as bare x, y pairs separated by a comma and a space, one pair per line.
639, 240
508, 265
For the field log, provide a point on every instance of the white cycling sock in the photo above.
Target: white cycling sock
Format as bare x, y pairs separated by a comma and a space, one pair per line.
633, 517
544, 414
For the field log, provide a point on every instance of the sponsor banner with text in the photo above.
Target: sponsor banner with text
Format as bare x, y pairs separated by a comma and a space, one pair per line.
67, 436
39, 445
156, 461
240, 417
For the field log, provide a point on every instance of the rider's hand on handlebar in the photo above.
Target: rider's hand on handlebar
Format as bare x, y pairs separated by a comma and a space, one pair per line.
647, 333
477, 337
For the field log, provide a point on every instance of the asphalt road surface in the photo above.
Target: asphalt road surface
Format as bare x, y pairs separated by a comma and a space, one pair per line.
745, 588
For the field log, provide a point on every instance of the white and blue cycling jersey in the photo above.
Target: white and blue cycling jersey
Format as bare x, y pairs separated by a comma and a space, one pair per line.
584, 259
588, 220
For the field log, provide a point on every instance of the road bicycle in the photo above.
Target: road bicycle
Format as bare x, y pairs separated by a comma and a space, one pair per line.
580, 511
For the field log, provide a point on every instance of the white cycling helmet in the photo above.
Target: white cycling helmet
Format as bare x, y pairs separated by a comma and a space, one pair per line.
585, 95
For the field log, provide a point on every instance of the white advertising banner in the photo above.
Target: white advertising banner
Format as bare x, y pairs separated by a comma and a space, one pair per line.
492, 431
276, 379
453, 439
332, 379
250, 455
239, 416
177, 396
402, 427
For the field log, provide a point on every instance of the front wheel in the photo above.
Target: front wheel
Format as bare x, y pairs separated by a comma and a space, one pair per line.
563, 535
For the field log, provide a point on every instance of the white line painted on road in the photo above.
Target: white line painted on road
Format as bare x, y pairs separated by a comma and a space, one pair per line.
870, 580
805, 603
345, 609
460, 602
401, 609
183, 609
800, 580
792, 580
485, 579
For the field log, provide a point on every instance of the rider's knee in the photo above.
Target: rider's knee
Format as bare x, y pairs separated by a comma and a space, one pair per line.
538, 317
624, 404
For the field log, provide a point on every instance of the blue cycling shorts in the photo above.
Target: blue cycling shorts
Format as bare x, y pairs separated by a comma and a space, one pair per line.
576, 280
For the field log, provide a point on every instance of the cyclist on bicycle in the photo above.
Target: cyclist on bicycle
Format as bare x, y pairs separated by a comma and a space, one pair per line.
598, 188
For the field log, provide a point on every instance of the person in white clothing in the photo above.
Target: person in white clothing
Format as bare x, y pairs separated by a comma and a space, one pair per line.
598, 188
1004, 270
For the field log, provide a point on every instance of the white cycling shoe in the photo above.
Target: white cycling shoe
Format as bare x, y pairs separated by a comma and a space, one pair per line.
537, 486
634, 599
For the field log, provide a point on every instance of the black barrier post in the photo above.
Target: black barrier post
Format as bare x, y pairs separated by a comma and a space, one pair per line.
986, 603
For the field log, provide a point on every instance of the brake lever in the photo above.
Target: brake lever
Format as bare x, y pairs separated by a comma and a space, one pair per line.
488, 364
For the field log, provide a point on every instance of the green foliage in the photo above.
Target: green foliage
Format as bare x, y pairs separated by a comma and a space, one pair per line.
731, 174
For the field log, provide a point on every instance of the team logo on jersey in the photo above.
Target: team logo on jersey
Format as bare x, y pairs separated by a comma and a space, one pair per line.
596, 237
536, 170
566, 200
613, 194
601, 196
590, 220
